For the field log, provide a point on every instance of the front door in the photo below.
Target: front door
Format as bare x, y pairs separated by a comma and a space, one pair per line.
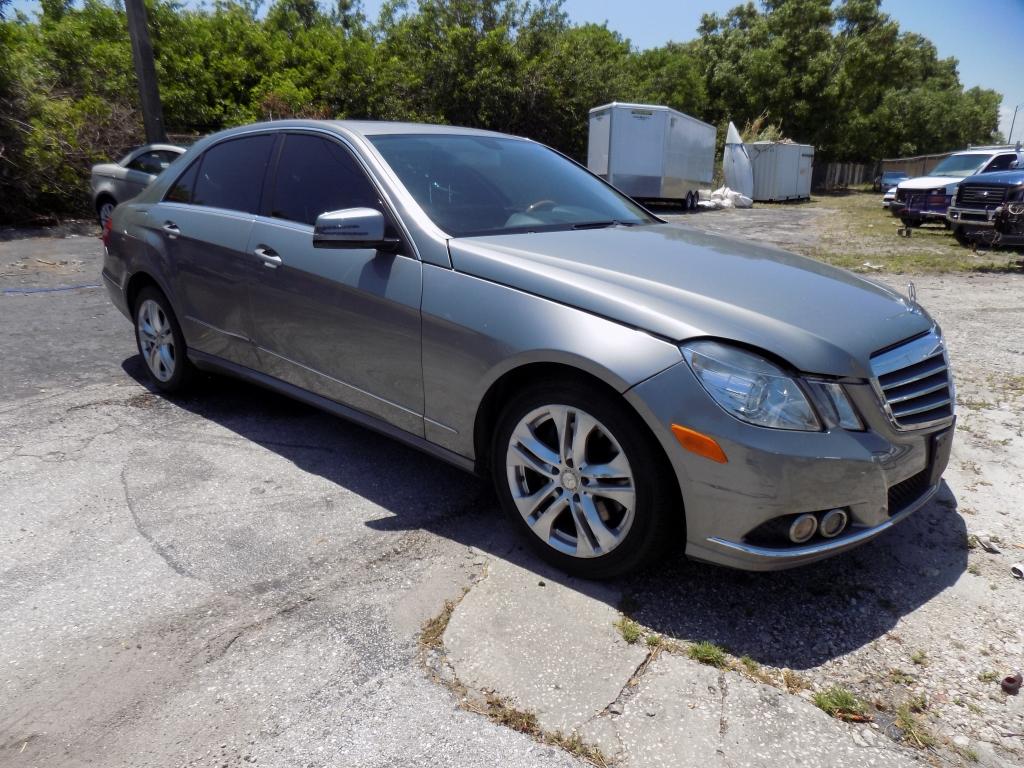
342, 323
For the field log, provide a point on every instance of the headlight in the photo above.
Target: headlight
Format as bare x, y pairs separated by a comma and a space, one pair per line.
749, 387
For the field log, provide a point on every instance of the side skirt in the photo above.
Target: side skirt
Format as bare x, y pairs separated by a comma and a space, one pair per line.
207, 362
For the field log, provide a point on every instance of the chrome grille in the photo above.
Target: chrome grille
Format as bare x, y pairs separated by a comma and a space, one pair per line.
914, 382
976, 194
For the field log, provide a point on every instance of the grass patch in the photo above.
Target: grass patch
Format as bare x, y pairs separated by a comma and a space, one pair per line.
857, 230
899, 677
840, 703
707, 653
653, 641
914, 731
974, 569
629, 629
920, 658
988, 677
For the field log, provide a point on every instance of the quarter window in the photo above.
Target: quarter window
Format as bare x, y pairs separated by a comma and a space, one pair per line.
181, 189
231, 174
315, 175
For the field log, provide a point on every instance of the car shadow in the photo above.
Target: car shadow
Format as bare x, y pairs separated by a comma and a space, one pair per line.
798, 618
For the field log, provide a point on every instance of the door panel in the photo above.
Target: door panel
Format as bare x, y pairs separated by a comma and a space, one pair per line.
344, 324
211, 272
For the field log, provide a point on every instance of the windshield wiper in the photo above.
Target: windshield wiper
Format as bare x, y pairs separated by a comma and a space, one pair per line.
603, 224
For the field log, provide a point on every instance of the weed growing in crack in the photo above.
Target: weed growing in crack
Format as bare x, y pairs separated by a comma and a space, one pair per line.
840, 703
629, 629
914, 731
707, 653
433, 629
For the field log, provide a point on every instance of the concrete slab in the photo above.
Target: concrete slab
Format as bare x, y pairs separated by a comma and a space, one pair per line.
553, 649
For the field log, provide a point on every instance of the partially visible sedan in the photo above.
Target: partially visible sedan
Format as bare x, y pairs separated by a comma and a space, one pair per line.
631, 386
113, 183
888, 197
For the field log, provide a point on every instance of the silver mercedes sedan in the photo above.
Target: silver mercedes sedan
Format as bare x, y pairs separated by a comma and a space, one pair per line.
631, 386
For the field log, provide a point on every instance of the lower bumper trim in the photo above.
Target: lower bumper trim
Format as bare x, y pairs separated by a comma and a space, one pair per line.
798, 555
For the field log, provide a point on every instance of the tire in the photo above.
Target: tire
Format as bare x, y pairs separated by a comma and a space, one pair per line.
161, 343
911, 223
616, 526
688, 205
104, 209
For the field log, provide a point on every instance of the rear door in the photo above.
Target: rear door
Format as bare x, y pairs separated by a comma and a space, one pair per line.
204, 221
342, 323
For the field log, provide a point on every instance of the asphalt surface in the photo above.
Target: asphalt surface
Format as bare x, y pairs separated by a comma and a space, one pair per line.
224, 580
234, 578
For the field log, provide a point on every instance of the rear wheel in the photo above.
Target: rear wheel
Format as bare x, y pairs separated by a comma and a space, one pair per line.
161, 342
105, 209
583, 480
910, 223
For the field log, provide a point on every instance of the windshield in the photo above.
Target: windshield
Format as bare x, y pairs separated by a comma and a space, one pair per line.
959, 165
475, 185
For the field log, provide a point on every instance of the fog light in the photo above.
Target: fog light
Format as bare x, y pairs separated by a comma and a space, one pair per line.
803, 529
833, 523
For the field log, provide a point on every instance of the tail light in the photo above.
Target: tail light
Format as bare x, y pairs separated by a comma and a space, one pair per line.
108, 227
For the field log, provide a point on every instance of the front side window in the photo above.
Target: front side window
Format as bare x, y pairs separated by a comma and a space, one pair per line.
316, 175
153, 162
1001, 163
474, 185
231, 174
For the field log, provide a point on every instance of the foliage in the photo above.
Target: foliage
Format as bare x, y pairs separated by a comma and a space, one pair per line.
836, 73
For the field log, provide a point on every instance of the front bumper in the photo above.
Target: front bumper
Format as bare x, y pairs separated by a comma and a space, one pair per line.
880, 476
972, 218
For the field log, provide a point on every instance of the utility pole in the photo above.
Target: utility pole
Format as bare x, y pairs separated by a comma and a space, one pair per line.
1009, 138
145, 71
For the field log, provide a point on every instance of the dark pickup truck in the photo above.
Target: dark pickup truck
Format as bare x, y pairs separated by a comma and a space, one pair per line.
990, 208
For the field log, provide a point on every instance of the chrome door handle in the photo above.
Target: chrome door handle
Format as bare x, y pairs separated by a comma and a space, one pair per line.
171, 229
268, 256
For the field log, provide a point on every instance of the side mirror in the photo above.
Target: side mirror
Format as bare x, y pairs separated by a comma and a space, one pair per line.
352, 228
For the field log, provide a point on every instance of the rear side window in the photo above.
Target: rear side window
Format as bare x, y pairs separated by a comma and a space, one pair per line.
153, 162
181, 190
231, 174
315, 175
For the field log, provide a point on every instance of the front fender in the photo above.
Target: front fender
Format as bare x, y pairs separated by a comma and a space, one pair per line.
476, 331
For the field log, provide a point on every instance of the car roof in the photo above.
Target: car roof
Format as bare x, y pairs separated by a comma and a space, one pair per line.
367, 128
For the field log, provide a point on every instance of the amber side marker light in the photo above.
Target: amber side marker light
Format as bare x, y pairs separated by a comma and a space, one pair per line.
699, 443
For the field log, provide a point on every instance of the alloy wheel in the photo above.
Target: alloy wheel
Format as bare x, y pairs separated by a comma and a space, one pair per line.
156, 340
571, 481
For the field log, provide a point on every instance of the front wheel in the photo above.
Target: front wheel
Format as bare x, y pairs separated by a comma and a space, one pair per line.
161, 342
581, 477
910, 223
104, 210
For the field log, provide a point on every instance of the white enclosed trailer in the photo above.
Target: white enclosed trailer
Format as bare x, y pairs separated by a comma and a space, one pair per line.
782, 171
651, 152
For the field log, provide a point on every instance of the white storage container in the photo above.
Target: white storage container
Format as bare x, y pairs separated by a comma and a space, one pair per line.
651, 152
782, 171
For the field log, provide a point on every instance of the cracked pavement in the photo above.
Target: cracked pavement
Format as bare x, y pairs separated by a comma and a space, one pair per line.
234, 578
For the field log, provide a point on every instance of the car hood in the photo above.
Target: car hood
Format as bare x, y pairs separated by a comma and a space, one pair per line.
930, 182
680, 283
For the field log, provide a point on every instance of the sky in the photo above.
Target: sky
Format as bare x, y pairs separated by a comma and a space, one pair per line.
986, 36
